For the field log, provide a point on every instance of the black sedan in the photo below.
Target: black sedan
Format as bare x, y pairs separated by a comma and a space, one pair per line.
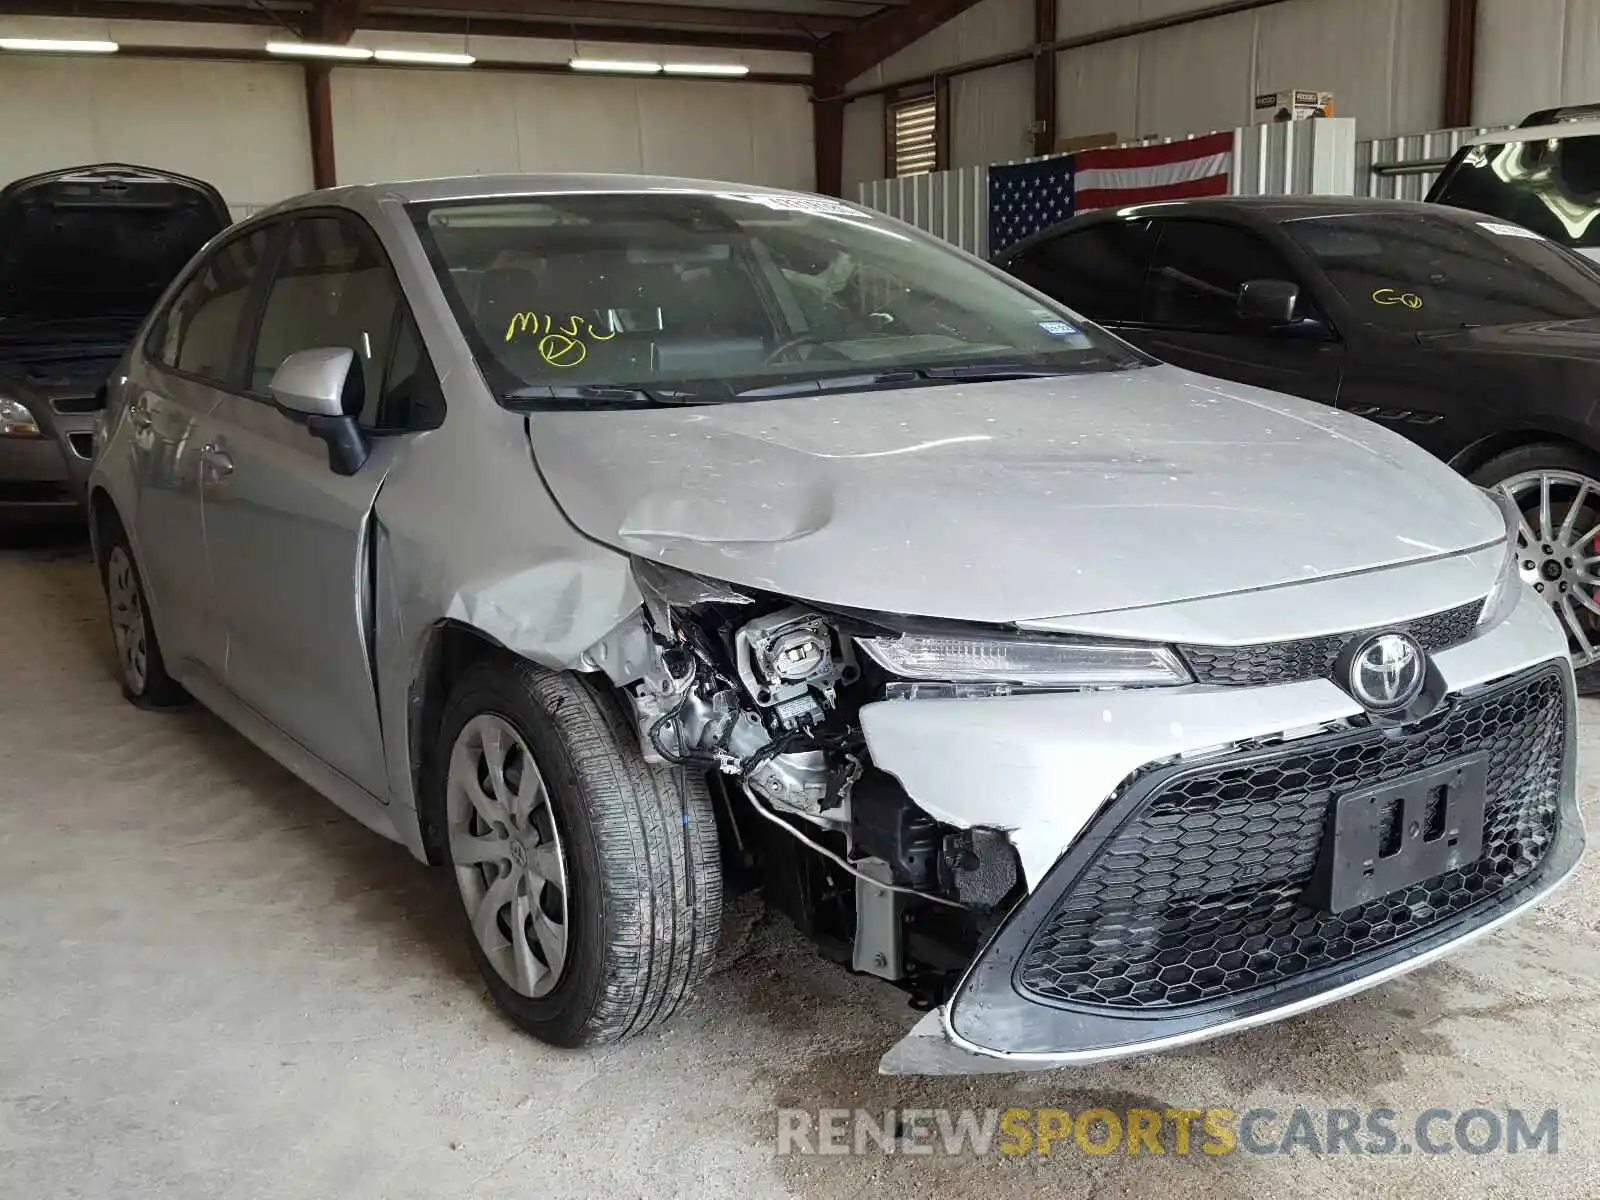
1475, 338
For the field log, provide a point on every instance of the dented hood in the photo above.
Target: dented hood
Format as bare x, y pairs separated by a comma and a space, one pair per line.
1010, 501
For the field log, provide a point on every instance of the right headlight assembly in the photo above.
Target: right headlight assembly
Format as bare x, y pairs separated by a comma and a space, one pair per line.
1024, 662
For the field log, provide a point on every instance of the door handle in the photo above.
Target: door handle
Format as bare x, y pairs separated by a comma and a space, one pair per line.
217, 460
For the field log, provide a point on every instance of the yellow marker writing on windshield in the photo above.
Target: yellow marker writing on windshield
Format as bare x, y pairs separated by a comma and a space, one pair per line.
1388, 296
561, 345
562, 350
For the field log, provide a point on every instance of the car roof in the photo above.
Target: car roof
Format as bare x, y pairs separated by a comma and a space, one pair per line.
1277, 209
487, 187
1259, 210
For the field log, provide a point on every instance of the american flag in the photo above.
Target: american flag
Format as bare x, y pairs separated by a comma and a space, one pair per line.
1026, 197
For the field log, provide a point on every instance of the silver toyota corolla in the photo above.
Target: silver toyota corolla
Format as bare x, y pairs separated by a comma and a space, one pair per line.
618, 542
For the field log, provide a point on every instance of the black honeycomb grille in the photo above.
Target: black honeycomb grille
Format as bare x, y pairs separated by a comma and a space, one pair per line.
1314, 658
1199, 896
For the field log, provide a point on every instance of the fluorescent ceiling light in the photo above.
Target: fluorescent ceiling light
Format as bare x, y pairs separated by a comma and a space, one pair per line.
622, 66
435, 57
58, 45
317, 50
729, 70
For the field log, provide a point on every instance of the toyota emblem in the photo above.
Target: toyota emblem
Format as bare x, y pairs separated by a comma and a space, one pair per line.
1387, 672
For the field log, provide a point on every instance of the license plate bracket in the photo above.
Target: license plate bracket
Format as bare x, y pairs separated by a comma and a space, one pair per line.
1387, 838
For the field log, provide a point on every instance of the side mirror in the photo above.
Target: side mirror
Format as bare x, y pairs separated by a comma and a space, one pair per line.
1269, 301
309, 387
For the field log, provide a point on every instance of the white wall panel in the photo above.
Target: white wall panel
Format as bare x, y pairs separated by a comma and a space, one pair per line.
240, 127
1097, 90
989, 115
1382, 59
1535, 54
411, 124
1389, 73
863, 142
1196, 78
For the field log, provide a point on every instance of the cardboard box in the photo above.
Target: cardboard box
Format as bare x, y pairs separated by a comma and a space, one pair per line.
1297, 104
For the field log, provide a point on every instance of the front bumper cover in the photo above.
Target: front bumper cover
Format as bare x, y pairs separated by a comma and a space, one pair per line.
994, 1022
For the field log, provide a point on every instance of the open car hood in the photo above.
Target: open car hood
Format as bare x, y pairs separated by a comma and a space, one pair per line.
1010, 501
99, 241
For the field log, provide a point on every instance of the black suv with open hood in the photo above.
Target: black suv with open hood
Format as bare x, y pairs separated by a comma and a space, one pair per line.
84, 253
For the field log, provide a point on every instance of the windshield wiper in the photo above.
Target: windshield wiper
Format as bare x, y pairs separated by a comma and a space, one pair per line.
864, 382
551, 397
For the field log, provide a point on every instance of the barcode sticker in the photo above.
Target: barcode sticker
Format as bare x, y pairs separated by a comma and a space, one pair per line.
1505, 230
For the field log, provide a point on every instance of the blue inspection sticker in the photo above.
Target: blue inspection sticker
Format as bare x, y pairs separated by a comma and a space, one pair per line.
1060, 329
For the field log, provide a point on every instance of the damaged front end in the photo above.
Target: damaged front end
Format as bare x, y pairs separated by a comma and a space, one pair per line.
766, 695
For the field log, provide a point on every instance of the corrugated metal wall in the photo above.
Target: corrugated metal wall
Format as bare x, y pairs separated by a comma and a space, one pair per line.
1412, 152
1303, 158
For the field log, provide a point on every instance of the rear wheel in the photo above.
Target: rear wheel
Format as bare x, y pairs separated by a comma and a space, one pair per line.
590, 881
1557, 490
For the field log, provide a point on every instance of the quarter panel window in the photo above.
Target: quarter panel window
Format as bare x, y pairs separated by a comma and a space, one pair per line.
1198, 270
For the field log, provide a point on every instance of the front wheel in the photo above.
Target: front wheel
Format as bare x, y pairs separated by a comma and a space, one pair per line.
1557, 490
590, 881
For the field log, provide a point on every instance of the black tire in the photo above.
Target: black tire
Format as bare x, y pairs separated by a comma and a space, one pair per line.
1545, 456
644, 884
154, 689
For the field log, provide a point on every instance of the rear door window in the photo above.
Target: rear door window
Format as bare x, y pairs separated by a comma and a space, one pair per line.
1548, 185
1098, 272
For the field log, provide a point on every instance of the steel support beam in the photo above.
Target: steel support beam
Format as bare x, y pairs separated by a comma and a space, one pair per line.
319, 117
426, 22
1044, 77
636, 14
843, 56
1460, 55
828, 136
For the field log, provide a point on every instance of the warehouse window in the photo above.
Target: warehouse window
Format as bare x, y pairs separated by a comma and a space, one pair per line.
914, 136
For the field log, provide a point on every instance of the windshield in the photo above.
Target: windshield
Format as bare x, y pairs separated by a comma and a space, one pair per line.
1410, 272
703, 297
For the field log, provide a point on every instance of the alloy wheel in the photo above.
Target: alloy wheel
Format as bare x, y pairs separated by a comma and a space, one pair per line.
507, 853
1558, 551
127, 620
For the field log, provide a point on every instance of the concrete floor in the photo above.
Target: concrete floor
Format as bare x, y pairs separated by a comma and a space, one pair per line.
213, 984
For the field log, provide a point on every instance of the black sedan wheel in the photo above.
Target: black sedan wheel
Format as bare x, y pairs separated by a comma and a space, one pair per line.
1557, 490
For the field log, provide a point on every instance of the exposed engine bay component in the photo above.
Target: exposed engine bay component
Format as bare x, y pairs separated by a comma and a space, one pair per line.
885, 824
784, 655
879, 946
769, 693
978, 866
840, 860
